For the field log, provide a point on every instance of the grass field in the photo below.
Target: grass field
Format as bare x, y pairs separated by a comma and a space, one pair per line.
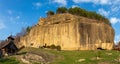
10, 60
73, 57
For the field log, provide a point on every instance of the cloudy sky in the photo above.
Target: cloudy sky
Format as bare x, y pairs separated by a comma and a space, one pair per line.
17, 14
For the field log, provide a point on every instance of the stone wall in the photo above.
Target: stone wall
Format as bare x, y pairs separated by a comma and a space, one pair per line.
72, 34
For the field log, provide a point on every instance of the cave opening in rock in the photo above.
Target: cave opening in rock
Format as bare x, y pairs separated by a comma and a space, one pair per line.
99, 48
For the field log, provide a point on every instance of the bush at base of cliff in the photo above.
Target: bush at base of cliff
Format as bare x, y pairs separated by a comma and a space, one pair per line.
58, 48
55, 47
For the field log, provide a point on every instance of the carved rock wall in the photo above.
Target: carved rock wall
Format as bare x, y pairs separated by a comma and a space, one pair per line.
70, 35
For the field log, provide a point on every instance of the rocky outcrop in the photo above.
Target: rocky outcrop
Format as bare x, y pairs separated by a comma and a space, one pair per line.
31, 58
70, 32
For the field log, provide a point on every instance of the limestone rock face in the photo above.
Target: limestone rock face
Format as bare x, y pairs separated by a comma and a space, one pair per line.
70, 32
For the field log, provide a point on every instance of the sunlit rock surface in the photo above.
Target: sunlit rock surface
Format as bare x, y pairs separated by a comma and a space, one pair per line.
70, 32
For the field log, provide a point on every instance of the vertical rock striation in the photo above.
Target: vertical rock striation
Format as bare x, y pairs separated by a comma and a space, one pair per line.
70, 32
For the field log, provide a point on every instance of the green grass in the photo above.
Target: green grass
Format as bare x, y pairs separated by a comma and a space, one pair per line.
10, 60
72, 57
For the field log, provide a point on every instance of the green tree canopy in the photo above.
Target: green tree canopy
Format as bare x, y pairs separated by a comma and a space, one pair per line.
81, 12
49, 13
92, 15
28, 29
61, 10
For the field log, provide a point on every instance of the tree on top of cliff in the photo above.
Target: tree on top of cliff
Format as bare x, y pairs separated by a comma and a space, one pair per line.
92, 15
28, 29
75, 10
82, 12
61, 10
49, 13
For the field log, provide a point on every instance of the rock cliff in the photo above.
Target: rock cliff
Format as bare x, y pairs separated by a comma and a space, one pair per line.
70, 32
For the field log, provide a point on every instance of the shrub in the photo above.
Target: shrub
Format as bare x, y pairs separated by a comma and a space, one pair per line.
55, 47
58, 48
92, 15
62, 10
81, 12
49, 13
75, 10
28, 29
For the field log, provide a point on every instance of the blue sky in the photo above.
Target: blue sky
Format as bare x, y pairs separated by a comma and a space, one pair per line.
17, 14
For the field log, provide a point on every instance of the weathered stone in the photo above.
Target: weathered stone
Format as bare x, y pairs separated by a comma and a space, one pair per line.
70, 32
32, 58
81, 60
118, 59
109, 54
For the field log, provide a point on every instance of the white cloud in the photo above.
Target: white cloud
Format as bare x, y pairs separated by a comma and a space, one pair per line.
114, 9
114, 20
11, 18
37, 5
74, 6
61, 2
18, 17
10, 12
105, 1
2, 25
81, 1
116, 2
117, 38
103, 12
102, 2
14, 18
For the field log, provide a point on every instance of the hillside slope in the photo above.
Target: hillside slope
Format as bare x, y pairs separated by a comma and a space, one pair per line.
62, 57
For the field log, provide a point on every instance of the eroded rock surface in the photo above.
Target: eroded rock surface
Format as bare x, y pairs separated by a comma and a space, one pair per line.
70, 32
